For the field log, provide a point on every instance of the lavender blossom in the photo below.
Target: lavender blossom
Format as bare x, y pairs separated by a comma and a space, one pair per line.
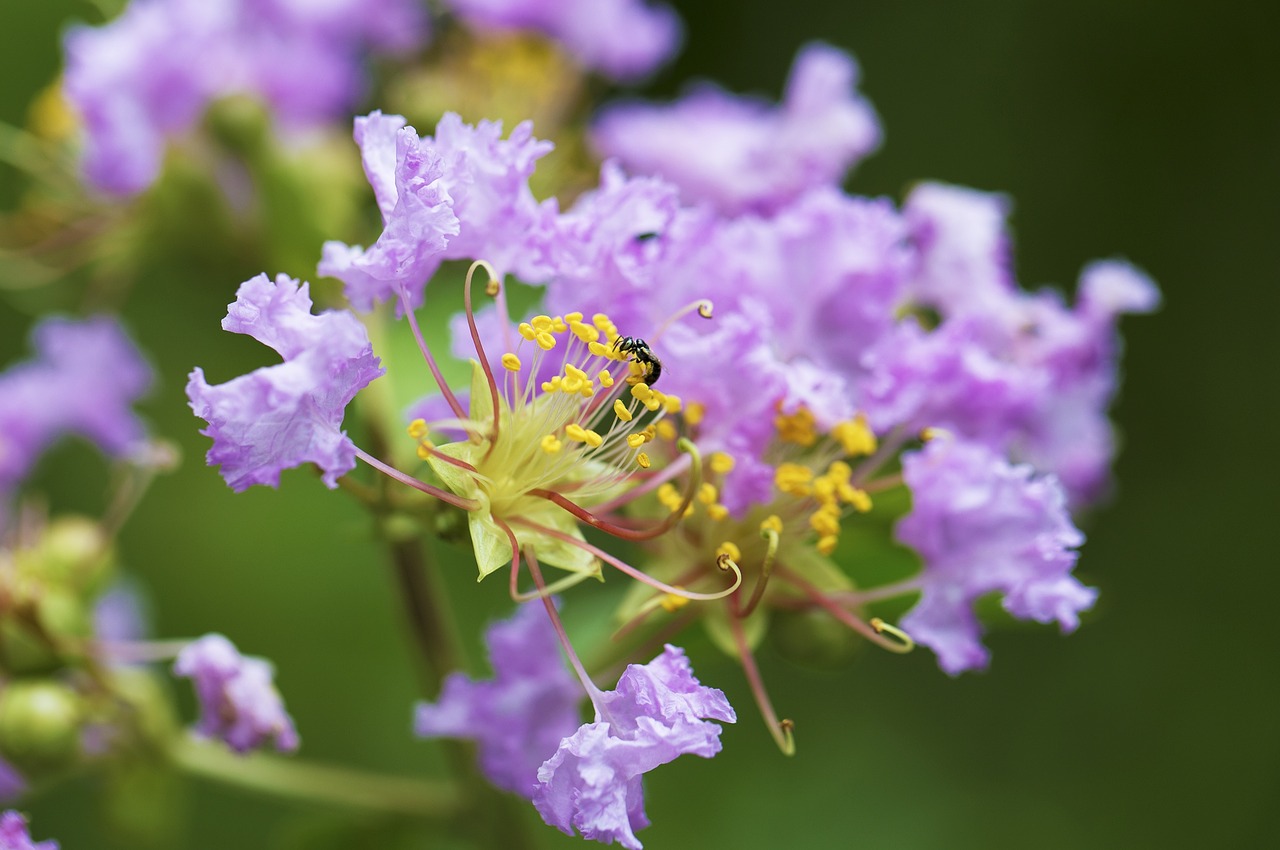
12, 784
14, 835
658, 712
84, 380
964, 252
136, 87
520, 715
742, 154
983, 525
462, 194
282, 416
622, 39
239, 704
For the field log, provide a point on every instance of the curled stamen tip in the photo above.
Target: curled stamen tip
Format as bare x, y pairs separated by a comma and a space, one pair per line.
706, 309
904, 639
493, 287
726, 563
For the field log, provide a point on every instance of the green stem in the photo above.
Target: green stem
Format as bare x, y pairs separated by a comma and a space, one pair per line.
316, 783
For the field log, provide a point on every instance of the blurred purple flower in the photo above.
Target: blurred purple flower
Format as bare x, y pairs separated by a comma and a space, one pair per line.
12, 785
982, 525
743, 154
520, 715
136, 85
462, 194
14, 835
658, 712
282, 416
84, 379
622, 39
239, 704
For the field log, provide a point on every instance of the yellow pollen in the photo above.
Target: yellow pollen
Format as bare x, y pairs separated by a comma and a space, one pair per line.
668, 496
855, 436
653, 403
672, 603
511, 362
671, 403
418, 428
636, 440
605, 379
550, 444
572, 384
574, 431
545, 341
425, 450
717, 512
527, 331
773, 523
665, 430
694, 412
794, 479
825, 521
621, 410
541, 323
575, 316
860, 501
586, 333
558, 325
552, 386
827, 545
731, 549
721, 462
641, 391
599, 349
574, 372
707, 494
796, 427
643, 460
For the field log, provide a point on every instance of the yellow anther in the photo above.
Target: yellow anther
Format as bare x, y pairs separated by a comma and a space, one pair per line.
671, 403
587, 390
649, 431
636, 373
826, 545
572, 384
601, 321
558, 326
621, 410
599, 349
572, 371
418, 428
927, 434
511, 362
729, 548
825, 521
643, 460
575, 316
541, 323
707, 494
668, 496
773, 523
605, 378
586, 333
527, 331
641, 391
860, 501
794, 479
694, 412
550, 444
840, 471
425, 450
665, 430
653, 403
721, 462
717, 512
796, 427
855, 436
552, 386
824, 489
575, 431
545, 341
636, 440
672, 603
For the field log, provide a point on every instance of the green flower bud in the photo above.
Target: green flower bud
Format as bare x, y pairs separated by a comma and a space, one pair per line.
39, 725
73, 552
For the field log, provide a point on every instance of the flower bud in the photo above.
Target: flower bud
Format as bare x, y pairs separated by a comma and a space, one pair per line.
39, 725
72, 552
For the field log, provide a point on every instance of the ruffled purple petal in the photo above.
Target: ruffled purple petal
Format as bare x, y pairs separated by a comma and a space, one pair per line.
982, 525
282, 416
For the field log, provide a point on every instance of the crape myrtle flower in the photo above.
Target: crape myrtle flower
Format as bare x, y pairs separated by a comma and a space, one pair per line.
282, 416
84, 380
135, 85
520, 715
460, 194
239, 704
12, 785
625, 40
980, 525
744, 154
14, 834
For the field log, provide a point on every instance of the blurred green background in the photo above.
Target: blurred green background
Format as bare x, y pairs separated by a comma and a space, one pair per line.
1141, 129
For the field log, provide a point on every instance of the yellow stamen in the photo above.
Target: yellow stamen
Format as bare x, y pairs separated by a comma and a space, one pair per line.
798, 427
643, 460
605, 378
425, 450
621, 411
707, 494
855, 436
827, 545
550, 444
825, 521
574, 431
731, 549
511, 362
773, 523
666, 430
637, 439
794, 479
694, 412
717, 512
586, 333
541, 323
672, 603
669, 496
721, 462
671, 403
418, 428
527, 331
860, 501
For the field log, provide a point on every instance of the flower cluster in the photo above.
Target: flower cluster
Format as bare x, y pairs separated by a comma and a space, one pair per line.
14, 834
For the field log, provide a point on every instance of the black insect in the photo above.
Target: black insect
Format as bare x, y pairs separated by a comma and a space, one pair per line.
643, 354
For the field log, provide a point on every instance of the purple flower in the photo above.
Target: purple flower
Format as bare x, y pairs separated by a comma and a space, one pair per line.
744, 154
135, 84
14, 835
622, 39
658, 712
982, 525
84, 379
462, 194
282, 416
12, 784
520, 715
239, 704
